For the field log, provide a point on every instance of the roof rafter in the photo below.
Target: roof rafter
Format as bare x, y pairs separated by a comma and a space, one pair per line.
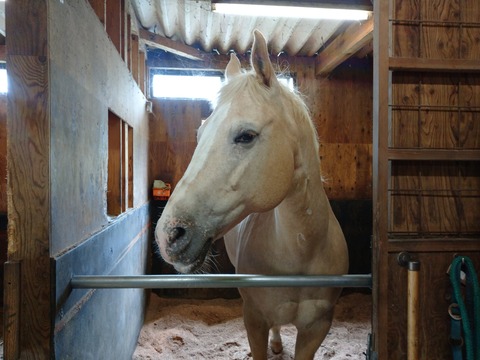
160, 42
344, 46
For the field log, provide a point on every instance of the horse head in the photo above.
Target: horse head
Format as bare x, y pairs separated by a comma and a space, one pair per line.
244, 162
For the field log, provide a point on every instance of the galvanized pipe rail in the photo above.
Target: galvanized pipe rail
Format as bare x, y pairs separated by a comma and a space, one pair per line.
217, 281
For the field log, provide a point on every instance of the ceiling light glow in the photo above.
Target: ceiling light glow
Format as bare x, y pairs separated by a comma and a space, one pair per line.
290, 11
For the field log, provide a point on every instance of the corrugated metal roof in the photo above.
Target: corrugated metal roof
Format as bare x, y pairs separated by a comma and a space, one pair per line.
191, 22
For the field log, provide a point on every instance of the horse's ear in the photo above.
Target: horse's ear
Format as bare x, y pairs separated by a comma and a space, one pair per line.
261, 61
233, 67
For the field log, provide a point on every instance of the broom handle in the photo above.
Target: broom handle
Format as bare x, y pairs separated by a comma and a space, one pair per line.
412, 309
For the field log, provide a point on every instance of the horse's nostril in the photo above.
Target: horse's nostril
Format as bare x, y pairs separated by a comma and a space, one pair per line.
176, 233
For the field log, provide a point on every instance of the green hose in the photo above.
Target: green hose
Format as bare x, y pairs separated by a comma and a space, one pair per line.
470, 306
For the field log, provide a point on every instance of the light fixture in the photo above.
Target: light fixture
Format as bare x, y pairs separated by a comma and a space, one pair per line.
303, 12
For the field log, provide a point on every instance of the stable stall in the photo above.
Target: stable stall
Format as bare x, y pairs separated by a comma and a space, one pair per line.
87, 129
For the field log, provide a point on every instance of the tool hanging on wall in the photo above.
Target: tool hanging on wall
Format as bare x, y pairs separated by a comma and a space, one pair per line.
406, 260
464, 310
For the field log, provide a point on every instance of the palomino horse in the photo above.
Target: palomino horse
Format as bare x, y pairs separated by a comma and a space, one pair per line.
255, 179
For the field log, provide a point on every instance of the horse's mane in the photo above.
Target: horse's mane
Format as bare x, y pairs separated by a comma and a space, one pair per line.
259, 93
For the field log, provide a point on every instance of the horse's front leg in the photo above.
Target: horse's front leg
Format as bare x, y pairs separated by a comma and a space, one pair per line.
257, 331
310, 338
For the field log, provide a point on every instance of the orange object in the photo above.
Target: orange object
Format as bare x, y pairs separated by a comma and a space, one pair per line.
161, 190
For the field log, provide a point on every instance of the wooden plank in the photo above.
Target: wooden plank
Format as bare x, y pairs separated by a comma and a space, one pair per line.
380, 266
11, 310
99, 6
135, 54
3, 158
130, 167
434, 154
28, 167
29, 196
26, 39
113, 22
128, 39
169, 45
429, 198
423, 64
142, 72
433, 245
124, 160
114, 188
123, 31
341, 48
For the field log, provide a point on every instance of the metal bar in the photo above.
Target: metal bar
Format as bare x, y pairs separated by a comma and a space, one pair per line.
218, 281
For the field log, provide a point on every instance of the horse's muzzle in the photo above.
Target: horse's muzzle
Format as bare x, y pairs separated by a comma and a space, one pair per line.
183, 247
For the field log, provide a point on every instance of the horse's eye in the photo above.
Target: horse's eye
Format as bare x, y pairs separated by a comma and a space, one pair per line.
245, 137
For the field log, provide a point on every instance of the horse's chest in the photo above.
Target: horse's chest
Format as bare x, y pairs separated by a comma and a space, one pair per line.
261, 250
281, 310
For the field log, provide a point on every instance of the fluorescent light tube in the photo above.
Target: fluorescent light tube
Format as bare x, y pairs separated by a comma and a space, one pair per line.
289, 11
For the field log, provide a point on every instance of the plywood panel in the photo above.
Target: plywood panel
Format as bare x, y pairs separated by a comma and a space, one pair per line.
351, 179
448, 29
434, 199
173, 136
435, 111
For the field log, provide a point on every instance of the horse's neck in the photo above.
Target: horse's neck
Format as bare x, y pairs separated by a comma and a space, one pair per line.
306, 207
305, 212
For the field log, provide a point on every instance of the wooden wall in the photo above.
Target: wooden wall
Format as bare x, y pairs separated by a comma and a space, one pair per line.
66, 76
3, 154
426, 163
3, 188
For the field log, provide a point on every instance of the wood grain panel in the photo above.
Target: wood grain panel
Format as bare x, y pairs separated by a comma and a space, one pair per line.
98, 7
435, 111
26, 26
113, 22
114, 187
435, 198
404, 204
3, 154
29, 195
405, 35
351, 180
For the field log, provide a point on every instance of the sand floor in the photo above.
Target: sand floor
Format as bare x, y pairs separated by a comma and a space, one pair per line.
213, 329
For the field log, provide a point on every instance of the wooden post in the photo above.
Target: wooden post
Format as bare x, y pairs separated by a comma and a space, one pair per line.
413, 309
11, 311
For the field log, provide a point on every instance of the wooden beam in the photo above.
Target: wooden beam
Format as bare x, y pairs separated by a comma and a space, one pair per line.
160, 42
344, 46
445, 65
11, 310
28, 162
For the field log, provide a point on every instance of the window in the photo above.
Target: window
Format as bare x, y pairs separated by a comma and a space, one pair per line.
184, 84
172, 84
120, 166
